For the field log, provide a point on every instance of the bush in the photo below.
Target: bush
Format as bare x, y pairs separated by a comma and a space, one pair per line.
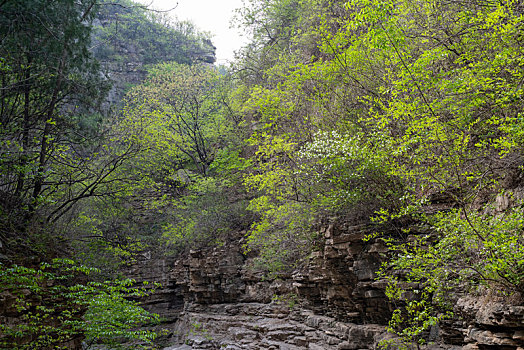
53, 304
466, 252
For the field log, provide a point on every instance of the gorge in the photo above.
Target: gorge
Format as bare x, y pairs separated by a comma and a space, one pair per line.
354, 180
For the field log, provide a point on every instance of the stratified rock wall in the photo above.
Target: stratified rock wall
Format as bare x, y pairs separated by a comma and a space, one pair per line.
213, 299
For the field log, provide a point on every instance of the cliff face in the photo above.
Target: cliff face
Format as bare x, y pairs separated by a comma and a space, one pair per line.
133, 71
213, 299
127, 38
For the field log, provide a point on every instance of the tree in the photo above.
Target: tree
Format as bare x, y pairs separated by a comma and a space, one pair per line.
446, 109
302, 109
178, 116
46, 70
181, 121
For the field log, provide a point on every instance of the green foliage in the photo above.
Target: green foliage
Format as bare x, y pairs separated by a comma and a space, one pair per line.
178, 118
205, 216
230, 164
188, 165
349, 169
283, 235
107, 236
50, 154
410, 110
412, 323
312, 156
130, 33
290, 300
484, 249
437, 138
199, 329
443, 112
54, 305
469, 252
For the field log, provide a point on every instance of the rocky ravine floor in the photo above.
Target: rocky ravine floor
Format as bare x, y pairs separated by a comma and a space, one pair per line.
269, 326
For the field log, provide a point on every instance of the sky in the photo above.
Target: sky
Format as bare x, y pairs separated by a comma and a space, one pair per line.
209, 15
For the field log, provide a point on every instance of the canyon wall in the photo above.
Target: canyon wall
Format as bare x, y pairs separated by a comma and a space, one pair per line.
214, 299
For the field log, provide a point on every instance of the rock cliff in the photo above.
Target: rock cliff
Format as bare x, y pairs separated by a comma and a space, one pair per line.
214, 299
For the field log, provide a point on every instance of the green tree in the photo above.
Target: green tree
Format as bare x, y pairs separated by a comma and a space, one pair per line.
447, 109
178, 117
181, 120
301, 109
46, 70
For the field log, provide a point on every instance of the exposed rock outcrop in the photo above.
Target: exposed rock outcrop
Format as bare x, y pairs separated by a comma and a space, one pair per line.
213, 299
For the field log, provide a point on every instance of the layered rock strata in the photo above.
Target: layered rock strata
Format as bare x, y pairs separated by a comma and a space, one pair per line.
213, 299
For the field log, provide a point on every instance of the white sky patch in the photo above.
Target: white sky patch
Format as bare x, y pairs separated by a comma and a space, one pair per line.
213, 16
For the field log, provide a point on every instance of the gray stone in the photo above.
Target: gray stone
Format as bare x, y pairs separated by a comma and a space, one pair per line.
337, 302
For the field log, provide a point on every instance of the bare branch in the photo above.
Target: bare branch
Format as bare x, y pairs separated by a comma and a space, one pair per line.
144, 7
